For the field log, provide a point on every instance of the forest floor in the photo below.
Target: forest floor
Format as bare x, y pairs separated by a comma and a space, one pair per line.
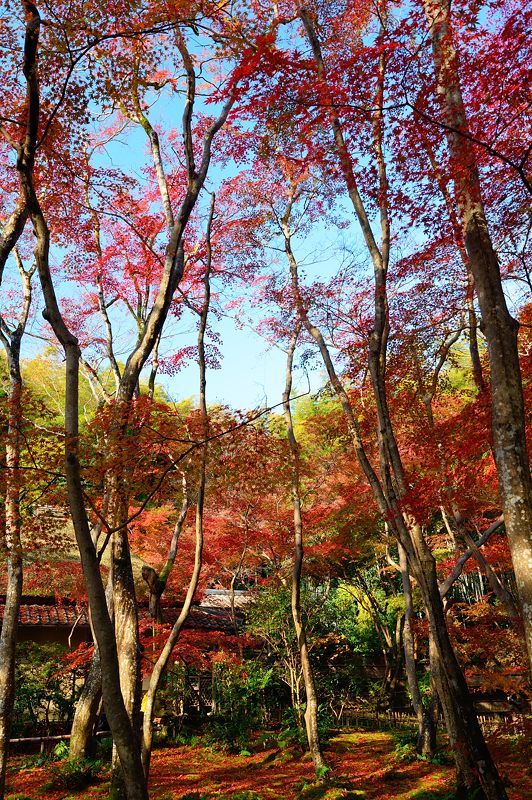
365, 759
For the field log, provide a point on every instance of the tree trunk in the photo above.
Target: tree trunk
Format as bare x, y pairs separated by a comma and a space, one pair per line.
126, 631
498, 326
162, 661
426, 740
8, 636
475, 769
157, 581
116, 713
8, 642
311, 710
155, 590
90, 700
86, 713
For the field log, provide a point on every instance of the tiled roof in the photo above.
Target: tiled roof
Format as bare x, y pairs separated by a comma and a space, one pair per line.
204, 618
221, 598
51, 615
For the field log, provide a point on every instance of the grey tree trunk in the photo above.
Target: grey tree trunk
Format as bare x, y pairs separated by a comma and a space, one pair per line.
11, 339
498, 326
426, 743
124, 590
162, 661
8, 636
116, 713
86, 713
476, 771
8, 642
126, 628
311, 710
90, 700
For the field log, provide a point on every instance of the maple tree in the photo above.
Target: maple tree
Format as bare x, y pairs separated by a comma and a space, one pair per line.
301, 118
11, 333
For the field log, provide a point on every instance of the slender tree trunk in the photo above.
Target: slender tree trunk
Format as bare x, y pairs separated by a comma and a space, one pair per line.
476, 771
126, 628
120, 723
86, 713
498, 326
157, 581
475, 768
116, 713
474, 353
8, 636
125, 600
90, 700
311, 710
155, 590
426, 741
12, 339
162, 661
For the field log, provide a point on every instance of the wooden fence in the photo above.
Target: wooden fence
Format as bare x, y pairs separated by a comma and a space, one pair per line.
368, 719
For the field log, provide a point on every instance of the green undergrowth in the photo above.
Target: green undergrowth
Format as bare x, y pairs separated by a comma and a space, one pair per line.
76, 773
245, 795
405, 751
434, 794
18, 797
329, 789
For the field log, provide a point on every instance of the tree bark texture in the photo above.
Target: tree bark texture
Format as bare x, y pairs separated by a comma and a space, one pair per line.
498, 326
426, 742
90, 700
119, 722
126, 625
86, 713
8, 636
162, 661
475, 768
311, 710
11, 338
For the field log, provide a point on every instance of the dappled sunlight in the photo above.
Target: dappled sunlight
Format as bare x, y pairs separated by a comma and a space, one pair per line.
363, 760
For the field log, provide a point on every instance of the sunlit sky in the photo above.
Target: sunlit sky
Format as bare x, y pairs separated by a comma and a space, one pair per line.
252, 370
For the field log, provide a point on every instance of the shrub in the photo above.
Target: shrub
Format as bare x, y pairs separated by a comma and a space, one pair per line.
75, 773
442, 758
293, 733
405, 753
406, 750
195, 796
19, 797
330, 788
43, 685
428, 794
60, 751
246, 795
324, 791
243, 795
238, 696
37, 760
105, 747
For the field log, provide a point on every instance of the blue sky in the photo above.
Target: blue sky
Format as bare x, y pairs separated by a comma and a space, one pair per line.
252, 371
